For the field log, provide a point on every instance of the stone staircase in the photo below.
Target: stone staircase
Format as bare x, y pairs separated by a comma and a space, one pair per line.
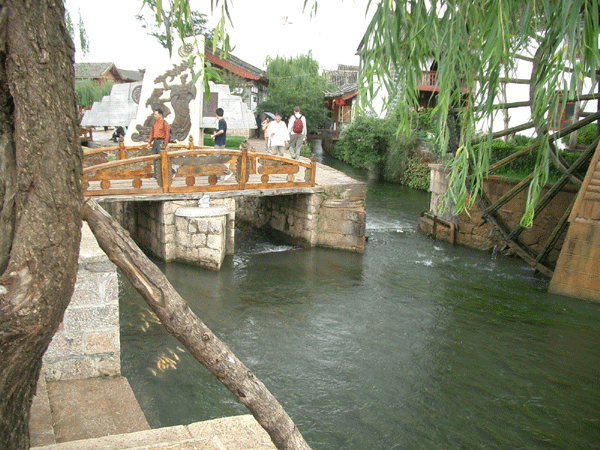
102, 413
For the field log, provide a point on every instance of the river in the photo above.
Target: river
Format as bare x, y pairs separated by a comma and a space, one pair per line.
414, 344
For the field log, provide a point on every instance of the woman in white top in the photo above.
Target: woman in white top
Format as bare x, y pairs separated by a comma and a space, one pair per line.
278, 133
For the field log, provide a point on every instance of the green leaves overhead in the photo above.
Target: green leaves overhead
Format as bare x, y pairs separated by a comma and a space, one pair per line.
177, 15
474, 43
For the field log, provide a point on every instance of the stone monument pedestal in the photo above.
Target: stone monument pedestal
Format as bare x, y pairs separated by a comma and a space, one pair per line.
201, 235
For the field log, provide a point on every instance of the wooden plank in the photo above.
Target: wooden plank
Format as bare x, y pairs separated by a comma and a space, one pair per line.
278, 185
146, 191
280, 169
203, 188
121, 174
198, 171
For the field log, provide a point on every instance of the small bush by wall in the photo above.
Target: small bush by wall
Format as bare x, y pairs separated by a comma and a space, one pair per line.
523, 166
232, 142
365, 143
373, 144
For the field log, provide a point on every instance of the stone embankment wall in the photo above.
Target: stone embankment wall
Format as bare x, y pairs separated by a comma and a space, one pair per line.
333, 218
87, 342
473, 231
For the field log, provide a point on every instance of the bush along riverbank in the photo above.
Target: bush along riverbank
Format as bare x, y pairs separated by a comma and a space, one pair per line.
374, 145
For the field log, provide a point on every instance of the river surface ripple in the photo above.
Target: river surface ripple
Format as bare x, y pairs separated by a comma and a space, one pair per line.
414, 344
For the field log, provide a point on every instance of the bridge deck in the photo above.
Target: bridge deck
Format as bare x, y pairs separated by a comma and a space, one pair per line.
147, 188
326, 179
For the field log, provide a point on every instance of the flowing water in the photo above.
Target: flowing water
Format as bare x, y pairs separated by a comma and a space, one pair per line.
414, 344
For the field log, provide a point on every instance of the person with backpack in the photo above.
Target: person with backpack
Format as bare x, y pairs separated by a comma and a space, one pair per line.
297, 132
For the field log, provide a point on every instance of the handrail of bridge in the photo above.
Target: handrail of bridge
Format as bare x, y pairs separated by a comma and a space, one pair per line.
188, 168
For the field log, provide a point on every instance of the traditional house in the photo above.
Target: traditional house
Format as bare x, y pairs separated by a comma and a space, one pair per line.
248, 81
131, 76
339, 102
99, 72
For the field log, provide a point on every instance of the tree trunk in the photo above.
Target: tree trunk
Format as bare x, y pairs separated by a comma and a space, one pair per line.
184, 325
40, 198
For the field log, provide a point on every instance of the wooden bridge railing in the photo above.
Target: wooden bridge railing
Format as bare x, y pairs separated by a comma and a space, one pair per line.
121, 170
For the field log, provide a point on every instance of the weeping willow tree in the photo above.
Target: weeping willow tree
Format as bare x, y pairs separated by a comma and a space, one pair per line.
473, 43
296, 82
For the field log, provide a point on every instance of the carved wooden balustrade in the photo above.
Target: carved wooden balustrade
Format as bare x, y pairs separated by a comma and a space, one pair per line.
121, 170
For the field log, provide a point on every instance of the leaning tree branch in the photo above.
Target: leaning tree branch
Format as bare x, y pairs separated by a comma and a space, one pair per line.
183, 324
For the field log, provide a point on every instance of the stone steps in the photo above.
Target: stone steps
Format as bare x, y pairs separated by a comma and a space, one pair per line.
102, 413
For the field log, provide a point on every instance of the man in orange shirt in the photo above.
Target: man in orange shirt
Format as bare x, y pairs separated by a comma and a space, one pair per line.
159, 135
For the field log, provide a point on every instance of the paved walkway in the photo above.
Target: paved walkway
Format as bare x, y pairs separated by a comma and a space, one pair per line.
102, 413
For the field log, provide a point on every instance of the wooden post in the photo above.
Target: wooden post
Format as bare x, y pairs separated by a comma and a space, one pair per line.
313, 169
243, 168
164, 170
121, 148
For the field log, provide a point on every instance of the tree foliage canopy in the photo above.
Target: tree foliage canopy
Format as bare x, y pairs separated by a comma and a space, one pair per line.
84, 43
296, 82
474, 43
163, 34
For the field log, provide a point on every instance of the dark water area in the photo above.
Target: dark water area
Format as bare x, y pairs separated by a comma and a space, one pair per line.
414, 344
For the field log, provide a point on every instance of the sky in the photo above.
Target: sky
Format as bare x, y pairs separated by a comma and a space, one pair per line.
260, 28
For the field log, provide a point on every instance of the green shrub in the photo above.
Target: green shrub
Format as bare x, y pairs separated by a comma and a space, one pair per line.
416, 174
520, 167
306, 149
524, 165
374, 145
88, 92
587, 135
365, 143
396, 158
232, 143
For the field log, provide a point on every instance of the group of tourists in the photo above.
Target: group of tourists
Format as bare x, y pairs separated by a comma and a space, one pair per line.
278, 135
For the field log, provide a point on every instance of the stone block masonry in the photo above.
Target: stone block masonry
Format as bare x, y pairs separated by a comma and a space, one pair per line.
201, 235
153, 226
334, 218
473, 231
87, 342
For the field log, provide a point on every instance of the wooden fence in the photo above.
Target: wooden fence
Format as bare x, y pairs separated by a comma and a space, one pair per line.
121, 170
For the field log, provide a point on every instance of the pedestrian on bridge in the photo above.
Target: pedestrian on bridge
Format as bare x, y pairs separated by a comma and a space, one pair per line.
297, 132
278, 134
220, 138
159, 134
264, 125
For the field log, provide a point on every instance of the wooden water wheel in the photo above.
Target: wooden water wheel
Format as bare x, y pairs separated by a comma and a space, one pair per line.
570, 173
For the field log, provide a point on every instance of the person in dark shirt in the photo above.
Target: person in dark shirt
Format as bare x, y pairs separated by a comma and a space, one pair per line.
220, 138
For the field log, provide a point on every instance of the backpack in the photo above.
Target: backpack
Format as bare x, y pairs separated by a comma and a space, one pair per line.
297, 128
